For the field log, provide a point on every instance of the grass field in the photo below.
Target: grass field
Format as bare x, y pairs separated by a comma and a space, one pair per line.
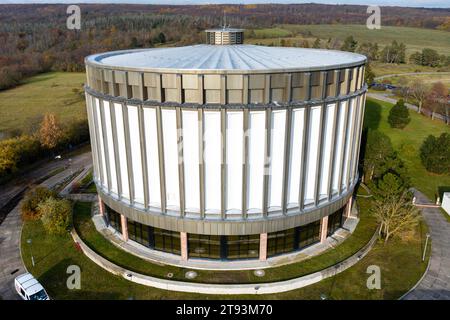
23, 107
415, 39
381, 69
407, 142
428, 79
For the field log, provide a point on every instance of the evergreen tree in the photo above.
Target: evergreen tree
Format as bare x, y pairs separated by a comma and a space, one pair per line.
399, 115
350, 44
435, 153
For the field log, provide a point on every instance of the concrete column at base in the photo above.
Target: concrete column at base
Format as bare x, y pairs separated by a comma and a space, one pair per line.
184, 246
101, 206
123, 222
263, 247
348, 208
323, 229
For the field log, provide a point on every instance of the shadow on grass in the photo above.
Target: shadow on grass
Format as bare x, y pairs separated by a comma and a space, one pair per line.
38, 78
372, 115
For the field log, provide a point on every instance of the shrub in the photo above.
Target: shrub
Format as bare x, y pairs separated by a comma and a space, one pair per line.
56, 215
34, 197
435, 153
399, 115
17, 152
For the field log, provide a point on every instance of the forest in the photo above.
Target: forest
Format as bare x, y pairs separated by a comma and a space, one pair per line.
35, 38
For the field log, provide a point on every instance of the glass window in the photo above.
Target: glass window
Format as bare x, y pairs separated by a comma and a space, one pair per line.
334, 222
204, 246
280, 242
308, 234
138, 232
113, 218
242, 247
165, 240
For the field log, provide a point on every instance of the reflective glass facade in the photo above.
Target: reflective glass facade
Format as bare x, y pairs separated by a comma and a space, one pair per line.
293, 239
225, 247
113, 218
335, 221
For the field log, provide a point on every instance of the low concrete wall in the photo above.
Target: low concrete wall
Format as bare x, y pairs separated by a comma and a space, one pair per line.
257, 288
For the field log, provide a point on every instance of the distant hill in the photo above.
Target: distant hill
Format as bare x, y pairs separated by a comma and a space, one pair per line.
238, 15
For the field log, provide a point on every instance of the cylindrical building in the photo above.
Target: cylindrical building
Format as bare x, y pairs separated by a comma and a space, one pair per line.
225, 150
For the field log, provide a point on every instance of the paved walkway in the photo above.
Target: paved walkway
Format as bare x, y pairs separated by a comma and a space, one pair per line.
436, 283
11, 264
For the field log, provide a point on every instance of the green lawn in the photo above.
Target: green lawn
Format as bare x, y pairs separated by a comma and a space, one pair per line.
23, 107
86, 230
415, 39
399, 261
428, 79
408, 141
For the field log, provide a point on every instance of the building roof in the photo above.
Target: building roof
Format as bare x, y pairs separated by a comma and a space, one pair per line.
231, 58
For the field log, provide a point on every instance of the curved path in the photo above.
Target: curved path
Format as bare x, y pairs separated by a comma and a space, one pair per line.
409, 74
435, 285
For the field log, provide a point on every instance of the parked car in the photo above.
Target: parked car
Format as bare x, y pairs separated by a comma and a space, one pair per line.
29, 288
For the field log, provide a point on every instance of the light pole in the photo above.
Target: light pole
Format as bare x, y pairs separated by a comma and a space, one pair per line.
426, 245
31, 251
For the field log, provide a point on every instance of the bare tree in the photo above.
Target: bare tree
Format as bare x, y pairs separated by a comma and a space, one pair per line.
418, 91
395, 214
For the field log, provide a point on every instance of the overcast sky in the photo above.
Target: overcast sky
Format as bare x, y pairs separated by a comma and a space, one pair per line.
403, 3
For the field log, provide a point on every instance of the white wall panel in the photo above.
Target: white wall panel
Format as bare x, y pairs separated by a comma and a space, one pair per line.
101, 143
212, 159
326, 156
256, 160
169, 126
296, 153
277, 142
339, 145
92, 125
111, 153
357, 135
136, 160
151, 146
349, 139
191, 160
313, 151
234, 160
125, 192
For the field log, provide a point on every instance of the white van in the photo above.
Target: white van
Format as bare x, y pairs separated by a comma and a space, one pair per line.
29, 288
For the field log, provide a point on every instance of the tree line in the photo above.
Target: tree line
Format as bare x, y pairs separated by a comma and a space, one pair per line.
35, 38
